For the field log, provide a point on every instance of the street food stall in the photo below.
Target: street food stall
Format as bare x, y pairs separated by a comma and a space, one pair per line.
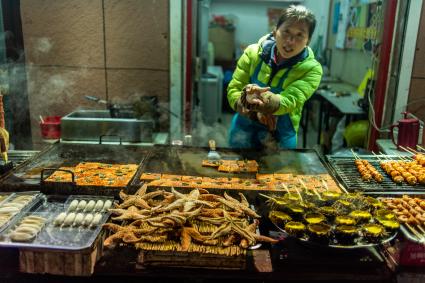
109, 168
96, 210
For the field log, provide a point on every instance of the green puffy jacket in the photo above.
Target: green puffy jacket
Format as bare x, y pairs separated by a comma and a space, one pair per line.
301, 81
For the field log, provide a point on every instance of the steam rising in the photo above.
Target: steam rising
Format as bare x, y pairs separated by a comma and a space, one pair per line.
202, 132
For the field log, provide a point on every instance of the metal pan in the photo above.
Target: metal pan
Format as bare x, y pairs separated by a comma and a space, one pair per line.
420, 239
346, 171
361, 244
187, 161
27, 176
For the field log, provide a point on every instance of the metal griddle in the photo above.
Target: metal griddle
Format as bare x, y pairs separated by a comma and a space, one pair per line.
345, 170
27, 176
187, 161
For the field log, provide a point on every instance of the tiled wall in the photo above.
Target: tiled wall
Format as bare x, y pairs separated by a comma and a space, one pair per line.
112, 49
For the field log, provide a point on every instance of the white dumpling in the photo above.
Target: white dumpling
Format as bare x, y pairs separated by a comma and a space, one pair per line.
99, 205
90, 206
78, 219
69, 219
81, 205
88, 219
107, 205
73, 206
59, 219
96, 219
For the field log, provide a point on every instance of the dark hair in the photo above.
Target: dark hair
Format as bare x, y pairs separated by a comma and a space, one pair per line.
298, 13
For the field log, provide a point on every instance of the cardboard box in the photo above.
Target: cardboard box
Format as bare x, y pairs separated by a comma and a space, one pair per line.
223, 41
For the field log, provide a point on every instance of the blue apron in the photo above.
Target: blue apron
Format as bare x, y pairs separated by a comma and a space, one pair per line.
246, 133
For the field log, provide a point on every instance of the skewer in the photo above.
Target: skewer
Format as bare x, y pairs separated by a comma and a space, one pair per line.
342, 188
354, 154
408, 150
313, 188
412, 149
298, 192
385, 156
420, 228
420, 147
282, 185
325, 185
377, 156
413, 230
266, 196
404, 158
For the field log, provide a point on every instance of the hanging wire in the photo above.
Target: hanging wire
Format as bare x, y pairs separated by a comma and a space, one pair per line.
376, 24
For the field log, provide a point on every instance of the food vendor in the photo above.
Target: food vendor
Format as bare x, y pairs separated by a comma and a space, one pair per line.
272, 81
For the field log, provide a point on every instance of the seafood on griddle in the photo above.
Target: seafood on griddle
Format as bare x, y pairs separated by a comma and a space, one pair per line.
346, 234
350, 220
319, 232
373, 232
279, 217
295, 228
361, 216
95, 174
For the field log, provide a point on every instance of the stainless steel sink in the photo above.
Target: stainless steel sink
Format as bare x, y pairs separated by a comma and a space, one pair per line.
91, 125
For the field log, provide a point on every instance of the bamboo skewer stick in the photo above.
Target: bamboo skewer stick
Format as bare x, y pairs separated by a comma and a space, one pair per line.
408, 150
412, 149
416, 233
354, 154
282, 185
325, 185
305, 187
420, 147
377, 156
385, 156
420, 228
342, 188
299, 194
266, 196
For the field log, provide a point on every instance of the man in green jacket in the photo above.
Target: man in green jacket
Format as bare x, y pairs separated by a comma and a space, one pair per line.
272, 81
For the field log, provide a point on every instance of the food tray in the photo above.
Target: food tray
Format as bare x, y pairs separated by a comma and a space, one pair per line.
410, 235
27, 176
36, 197
333, 244
54, 237
346, 171
314, 219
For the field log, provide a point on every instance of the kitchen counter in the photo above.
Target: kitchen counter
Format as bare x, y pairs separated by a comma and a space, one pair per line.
158, 138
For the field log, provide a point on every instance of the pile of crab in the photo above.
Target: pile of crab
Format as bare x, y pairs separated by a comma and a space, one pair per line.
198, 221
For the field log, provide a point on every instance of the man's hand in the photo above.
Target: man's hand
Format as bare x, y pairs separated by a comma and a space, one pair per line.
269, 120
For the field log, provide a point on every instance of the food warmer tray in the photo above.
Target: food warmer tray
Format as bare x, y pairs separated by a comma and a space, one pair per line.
185, 160
360, 245
346, 171
410, 235
27, 176
51, 237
